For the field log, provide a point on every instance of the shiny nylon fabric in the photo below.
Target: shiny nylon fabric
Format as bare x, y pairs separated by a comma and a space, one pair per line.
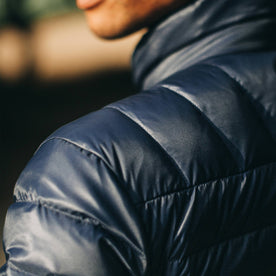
204, 29
179, 179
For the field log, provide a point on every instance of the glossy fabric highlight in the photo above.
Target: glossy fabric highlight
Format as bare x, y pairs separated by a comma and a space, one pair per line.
177, 180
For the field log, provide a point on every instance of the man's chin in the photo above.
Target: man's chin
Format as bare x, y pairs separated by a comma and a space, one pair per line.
110, 30
107, 35
111, 35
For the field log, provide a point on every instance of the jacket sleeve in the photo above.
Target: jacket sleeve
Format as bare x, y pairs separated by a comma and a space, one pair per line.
72, 216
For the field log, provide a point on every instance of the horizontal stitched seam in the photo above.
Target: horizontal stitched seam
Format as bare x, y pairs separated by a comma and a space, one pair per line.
77, 216
86, 150
120, 179
85, 218
205, 183
73, 143
153, 139
243, 235
70, 213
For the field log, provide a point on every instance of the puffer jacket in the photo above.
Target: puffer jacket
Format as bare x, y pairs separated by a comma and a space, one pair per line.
177, 180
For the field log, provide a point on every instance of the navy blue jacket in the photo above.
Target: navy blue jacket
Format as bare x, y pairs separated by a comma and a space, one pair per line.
177, 180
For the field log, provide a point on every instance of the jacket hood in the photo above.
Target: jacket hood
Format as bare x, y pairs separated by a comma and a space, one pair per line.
203, 29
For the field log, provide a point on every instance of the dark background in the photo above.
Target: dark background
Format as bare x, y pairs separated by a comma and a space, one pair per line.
32, 111
62, 81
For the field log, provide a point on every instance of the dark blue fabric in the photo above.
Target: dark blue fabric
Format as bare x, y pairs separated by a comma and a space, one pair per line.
177, 180
204, 29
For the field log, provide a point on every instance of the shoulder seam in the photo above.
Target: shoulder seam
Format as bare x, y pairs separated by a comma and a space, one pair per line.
155, 141
70, 142
82, 148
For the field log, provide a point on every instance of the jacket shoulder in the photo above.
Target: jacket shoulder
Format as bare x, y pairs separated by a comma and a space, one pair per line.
70, 199
189, 123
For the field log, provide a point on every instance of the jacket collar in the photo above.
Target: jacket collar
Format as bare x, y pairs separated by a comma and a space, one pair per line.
203, 29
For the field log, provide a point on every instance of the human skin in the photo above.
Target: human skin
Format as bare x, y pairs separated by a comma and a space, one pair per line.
117, 18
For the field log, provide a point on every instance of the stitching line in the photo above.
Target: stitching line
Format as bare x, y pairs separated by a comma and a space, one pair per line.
220, 243
205, 183
218, 132
93, 153
153, 139
71, 142
88, 151
75, 215
246, 92
70, 213
79, 217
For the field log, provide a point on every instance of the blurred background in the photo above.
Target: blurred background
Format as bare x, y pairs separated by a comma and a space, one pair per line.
52, 71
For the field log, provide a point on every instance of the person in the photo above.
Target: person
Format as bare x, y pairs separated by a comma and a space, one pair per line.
176, 180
